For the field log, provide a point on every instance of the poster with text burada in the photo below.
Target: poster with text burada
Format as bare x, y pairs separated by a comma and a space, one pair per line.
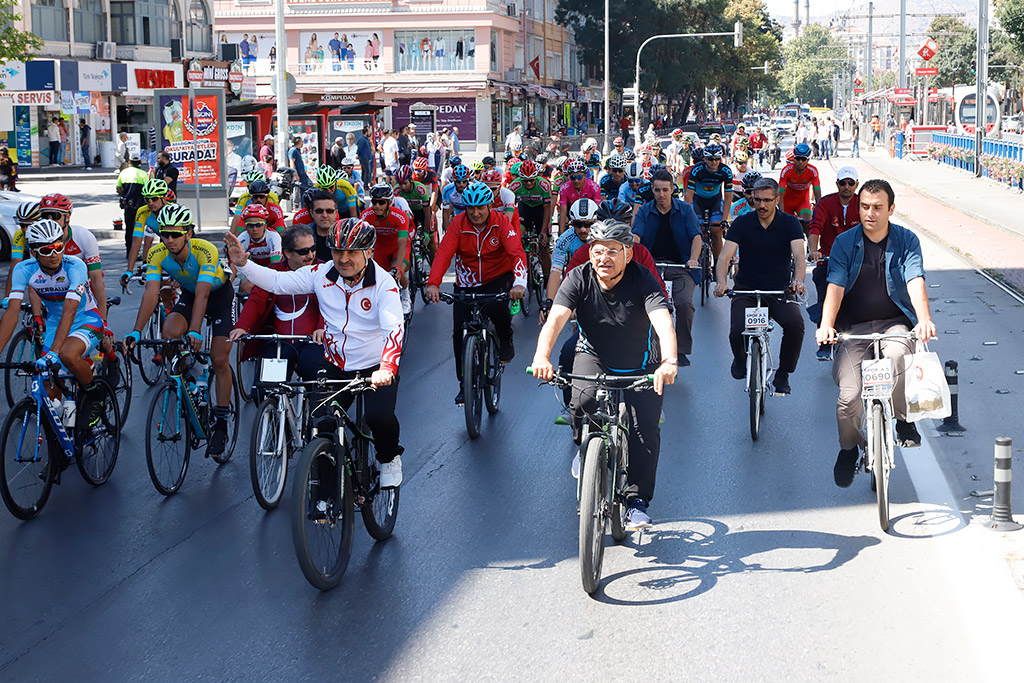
194, 138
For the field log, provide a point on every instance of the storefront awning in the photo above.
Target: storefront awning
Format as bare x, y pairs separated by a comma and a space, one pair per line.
340, 89
446, 89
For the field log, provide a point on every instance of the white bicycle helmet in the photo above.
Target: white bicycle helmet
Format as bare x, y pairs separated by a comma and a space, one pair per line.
583, 209
43, 232
634, 171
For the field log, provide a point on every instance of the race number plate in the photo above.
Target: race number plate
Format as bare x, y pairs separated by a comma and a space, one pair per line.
757, 318
878, 378
274, 370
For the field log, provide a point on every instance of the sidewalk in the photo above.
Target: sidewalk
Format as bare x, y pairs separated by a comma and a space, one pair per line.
978, 218
30, 175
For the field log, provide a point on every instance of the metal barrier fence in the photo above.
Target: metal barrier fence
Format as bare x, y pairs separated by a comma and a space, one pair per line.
960, 153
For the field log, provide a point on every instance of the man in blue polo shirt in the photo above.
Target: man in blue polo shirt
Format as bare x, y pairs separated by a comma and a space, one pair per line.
668, 228
875, 285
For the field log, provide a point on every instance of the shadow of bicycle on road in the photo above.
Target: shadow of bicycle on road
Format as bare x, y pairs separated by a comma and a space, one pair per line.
687, 556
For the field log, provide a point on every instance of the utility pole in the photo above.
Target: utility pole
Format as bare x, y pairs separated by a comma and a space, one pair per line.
807, 13
281, 153
607, 110
980, 91
871, 27
903, 42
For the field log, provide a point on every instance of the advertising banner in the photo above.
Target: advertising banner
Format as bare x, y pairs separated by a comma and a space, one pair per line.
23, 135
187, 140
83, 102
450, 112
330, 51
256, 51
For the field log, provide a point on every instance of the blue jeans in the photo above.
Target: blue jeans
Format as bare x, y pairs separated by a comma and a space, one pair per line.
855, 148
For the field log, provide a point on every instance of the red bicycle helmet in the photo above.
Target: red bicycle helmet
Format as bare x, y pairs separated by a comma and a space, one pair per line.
491, 175
55, 202
527, 169
255, 210
420, 164
352, 234
403, 174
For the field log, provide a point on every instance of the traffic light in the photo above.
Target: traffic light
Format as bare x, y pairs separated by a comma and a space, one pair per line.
974, 67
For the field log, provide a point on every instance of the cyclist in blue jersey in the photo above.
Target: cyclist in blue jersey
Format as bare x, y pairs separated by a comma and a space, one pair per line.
710, 189
615, 177
451, 195
206, 294
745, 205
634, 177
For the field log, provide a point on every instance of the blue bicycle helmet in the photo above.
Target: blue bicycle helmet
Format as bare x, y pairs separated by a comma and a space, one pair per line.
802, 150
455, 161
713, 151
697, 155
460, 172
477, 194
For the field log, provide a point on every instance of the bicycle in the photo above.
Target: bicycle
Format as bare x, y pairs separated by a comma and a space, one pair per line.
419, 269
280, 427
335, 475
481, 369
116, 369
534, 274
181, 415
35, 446
25, 346
706, 260
604, 463
878, 377
245, 370
148, 358
756, 327
668, 272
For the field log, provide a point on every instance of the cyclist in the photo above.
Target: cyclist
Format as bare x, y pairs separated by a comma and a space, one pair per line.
418, 196
772, 243
740, 141
26, 214
582, 215
710, 189
589, 154
746, 204
451, 196
263, 245
391, 247
205, 294
345, 195
668, 228
533, 197
489, 258
449, 170
875, 285
286, 314
488, 162
797, 181
364, 327
835, 214
251, 177
423, 174
74, 326
678, 152
476, 169
577, 187
634, 177
614, 178
696, 156
156, 194
741, 160
504, 198
619, 306
349, 166
259, 193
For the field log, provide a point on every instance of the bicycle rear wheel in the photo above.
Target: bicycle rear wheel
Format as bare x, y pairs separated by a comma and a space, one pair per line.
97, 440
755, 387
28, 463
234, 401
151, 370
881, 469
593, 513
380, 509
539, 292
705, 273
492, 376
168, 434
245, 372
526, 302
118, 374
472, 383
323, 515
269, 451
23, 348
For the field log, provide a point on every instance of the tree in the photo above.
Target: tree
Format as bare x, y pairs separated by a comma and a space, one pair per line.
15, 45
810, 61
1011, 17
957, 51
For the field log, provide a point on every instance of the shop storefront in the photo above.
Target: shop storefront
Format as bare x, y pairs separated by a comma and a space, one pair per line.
104, 84
30, 99
138, 116
448, 112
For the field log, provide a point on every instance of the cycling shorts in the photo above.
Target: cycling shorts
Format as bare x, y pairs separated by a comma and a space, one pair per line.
798, 206
90, 336
711, 204
220, 310
531, 218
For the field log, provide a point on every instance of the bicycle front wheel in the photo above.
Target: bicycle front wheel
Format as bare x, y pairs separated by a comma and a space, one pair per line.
881, 469
234, 401
472, 383
118, 374
593, 512
97, 433
269, 451
245, 373
167, 440
755, 387
380, 509
28, 455
23, 348
323, 515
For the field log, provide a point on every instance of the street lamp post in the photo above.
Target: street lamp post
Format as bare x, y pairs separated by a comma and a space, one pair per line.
607, 109
736, 33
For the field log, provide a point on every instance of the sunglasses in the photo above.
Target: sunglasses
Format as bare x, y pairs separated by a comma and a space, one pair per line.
800, 158
320, 211
848, 183
260, 196
302, 252
47, 250
171, 234
51, 215
576, 176
255, 224
379, 202
150, 200
582, 224
618, 170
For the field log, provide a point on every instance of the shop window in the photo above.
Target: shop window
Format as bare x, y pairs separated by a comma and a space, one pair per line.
49, 20
90, 21
435, 50
199, 31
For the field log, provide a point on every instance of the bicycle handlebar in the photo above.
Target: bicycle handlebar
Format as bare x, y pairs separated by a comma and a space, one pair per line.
273, 337
754, 292
669, 266
469, 297
878, 336
637, 381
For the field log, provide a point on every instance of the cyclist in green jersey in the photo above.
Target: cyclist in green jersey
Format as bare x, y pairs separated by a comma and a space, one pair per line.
419, 199
533, 199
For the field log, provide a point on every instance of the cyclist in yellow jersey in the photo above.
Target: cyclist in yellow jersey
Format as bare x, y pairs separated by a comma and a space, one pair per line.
344, 194
205, 294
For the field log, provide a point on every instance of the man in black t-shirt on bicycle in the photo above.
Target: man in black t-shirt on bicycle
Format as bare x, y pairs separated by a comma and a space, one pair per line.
617, 305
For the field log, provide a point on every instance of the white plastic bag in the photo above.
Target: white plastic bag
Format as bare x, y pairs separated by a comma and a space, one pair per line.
926, 389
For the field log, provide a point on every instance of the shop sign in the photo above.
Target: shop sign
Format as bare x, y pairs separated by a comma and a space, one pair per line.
33, 98
187, 139
451, 111
83, 102
150, 79
235, 77
38, 74
94, 76
248, 88
195, 73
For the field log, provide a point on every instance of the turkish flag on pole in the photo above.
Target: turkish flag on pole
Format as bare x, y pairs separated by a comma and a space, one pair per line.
535, 65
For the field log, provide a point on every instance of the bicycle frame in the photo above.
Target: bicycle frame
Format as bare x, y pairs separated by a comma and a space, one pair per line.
761, 333
45, 408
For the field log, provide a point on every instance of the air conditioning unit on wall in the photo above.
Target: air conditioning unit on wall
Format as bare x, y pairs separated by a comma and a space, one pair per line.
106, 50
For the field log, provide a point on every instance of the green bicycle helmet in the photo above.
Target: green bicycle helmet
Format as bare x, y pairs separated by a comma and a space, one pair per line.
326, 177
155, 188
477, 167
252, 176
174, 216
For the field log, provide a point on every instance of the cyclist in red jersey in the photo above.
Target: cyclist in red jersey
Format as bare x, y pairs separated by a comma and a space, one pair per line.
798, 180
391, 250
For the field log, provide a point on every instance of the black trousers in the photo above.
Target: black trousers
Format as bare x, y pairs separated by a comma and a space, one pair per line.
129, 227
566, 358
379, 405
820, 278
644, 409
497, 311
785, 313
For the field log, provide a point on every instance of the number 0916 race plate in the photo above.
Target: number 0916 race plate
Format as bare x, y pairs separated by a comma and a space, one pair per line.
878, 378
756, 318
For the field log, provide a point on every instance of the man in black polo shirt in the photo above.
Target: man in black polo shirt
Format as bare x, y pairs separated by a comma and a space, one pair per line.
770, 241
617, 304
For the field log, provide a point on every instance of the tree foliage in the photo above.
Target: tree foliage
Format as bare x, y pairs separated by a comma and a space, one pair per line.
15, 45
1011, 17
957, 50
811, 59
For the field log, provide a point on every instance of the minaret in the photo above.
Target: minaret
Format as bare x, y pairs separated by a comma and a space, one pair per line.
796, 18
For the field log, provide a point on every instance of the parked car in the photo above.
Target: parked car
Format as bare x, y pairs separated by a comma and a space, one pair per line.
785, 125
1012, 124
9, 203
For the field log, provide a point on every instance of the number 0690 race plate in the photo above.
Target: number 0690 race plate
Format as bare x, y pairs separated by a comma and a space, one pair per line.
756, 318
878, 378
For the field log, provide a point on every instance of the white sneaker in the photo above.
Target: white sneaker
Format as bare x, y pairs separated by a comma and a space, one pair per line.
391, 473
406, 301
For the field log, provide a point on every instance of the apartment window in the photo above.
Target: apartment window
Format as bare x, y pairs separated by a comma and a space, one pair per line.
122, 22
49, 21
90, 22
519, 56
143, 22
199, 31
440, 50
554, 66
549, 11
495, 47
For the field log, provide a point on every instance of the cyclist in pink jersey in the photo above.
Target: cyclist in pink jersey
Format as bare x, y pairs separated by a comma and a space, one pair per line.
578, 187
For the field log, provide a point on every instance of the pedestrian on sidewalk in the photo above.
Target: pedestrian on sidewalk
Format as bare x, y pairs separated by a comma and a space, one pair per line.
62, 156
84, 129
8, 171
121, 156
835, 138
53, 135
854, 139
166, 171
825, 139
129, 189
876, 130
364, 150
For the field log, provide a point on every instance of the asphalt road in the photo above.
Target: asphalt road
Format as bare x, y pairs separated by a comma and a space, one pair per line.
759, 568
